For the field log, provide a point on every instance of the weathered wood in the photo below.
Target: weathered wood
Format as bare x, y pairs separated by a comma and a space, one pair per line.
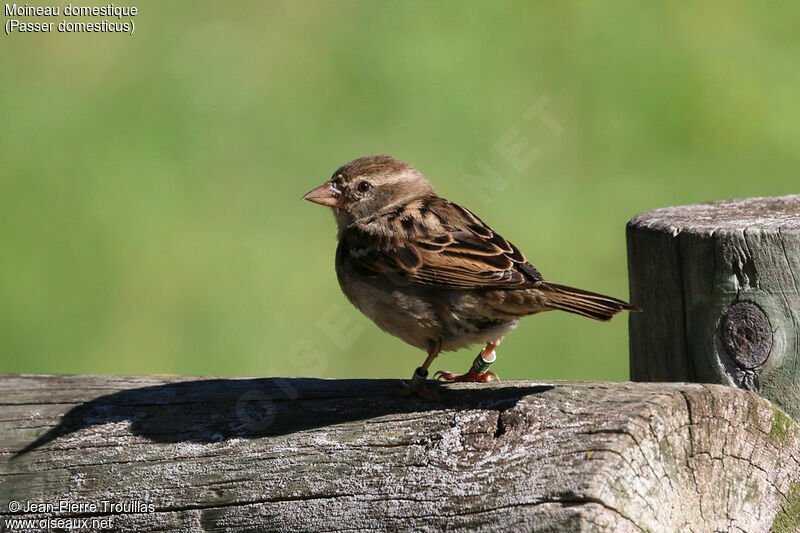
334, 455
719, 286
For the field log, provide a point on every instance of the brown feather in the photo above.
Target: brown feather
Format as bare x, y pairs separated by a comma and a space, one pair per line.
462, 252
581, 302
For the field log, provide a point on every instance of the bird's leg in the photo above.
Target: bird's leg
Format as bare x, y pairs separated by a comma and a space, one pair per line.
417, 385
479, 372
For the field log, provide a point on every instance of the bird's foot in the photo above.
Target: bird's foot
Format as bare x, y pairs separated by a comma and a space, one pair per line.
478, 373
416, 387
469, 377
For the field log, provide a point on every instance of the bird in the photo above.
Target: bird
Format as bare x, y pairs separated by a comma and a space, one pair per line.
430, 272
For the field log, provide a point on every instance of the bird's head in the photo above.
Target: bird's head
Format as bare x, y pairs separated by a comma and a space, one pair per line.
368, 185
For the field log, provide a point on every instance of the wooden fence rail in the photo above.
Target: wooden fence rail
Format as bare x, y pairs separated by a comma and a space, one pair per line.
200, 454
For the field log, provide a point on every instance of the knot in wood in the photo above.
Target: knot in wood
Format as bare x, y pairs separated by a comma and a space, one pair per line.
746, 334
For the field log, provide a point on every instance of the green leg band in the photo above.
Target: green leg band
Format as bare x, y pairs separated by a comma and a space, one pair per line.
481, 365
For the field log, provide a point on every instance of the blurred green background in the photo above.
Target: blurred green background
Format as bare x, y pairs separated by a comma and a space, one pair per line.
150, 212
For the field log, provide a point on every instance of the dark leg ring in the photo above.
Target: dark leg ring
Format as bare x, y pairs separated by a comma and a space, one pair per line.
417, 386
419, 377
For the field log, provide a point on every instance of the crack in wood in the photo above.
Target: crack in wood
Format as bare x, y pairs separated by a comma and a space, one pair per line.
561, 458
725, 252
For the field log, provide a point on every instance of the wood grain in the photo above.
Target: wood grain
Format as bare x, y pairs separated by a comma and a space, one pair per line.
719, 283
349, 455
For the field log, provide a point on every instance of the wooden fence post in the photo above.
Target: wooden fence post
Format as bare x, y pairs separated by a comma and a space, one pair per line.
719, 285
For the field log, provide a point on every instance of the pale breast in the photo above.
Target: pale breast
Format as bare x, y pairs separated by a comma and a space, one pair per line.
420, 316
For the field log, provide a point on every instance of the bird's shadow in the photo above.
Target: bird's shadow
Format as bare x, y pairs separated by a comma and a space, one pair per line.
213, 410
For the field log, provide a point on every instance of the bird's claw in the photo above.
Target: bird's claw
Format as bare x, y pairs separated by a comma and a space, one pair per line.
469, 377
417, 386
409, 389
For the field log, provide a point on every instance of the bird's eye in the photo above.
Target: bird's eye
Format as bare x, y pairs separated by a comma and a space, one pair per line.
363, 187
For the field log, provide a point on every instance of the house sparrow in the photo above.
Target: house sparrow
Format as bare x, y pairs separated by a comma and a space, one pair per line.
430, 272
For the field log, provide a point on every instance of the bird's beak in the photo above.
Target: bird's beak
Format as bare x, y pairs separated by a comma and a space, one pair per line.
325, 194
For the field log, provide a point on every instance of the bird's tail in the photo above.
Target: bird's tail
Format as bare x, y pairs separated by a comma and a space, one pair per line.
582, 302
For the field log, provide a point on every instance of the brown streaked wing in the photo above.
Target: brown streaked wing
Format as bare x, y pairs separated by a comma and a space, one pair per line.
453, 249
